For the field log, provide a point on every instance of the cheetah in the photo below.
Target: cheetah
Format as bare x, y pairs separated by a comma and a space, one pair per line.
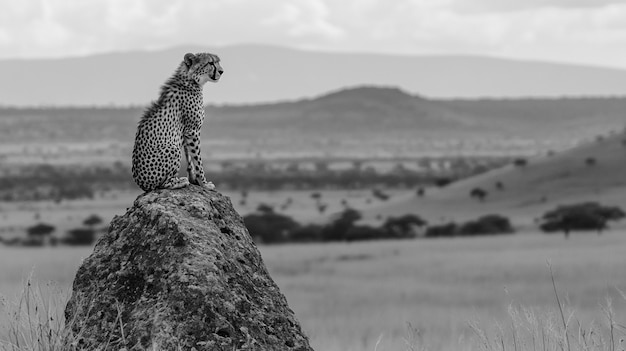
172, 121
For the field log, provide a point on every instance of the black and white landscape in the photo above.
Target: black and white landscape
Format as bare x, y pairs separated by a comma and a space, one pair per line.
406, 170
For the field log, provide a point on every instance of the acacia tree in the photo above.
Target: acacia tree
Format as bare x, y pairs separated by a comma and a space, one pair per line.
337, 230
38, 232
264, 208
80, 236
479, 193
269, 226
403, 226
582, 216
420, 192
590, 161
520, 162
92, 221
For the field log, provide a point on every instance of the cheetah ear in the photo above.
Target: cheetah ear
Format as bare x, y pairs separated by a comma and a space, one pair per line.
189, 59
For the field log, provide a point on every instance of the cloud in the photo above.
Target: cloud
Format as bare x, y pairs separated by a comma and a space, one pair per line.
554, 29
70, 27
516, 5
303, 18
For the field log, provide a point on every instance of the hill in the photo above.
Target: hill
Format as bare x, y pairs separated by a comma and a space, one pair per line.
258, 73
595, 171
357, 120
352, 113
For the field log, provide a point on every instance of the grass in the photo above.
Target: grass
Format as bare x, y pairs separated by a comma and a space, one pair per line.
492, 293
35, 321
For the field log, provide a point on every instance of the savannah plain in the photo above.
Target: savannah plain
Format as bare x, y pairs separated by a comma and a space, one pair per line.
422, 293
402, 294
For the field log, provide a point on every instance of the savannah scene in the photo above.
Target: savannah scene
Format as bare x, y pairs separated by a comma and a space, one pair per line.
445, 175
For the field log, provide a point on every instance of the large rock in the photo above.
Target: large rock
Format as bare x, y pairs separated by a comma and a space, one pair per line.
179, 271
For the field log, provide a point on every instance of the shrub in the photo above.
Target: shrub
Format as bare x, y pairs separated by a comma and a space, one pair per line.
443, 182
442, 230
403, 226
420, 192
31, 242
265, 208
307, 233
520, 162
380, 195
590, 161
40, 230
270, 227
80, 236
92, 220
364, 232
487, 225
37, 234
478, 193
337, 229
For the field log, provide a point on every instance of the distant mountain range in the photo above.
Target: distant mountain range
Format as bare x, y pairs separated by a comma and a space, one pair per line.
256, 73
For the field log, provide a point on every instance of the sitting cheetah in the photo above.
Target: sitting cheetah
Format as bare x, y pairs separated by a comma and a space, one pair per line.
173, 120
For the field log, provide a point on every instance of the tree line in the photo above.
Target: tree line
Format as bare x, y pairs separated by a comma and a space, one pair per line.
41, 234
268, 226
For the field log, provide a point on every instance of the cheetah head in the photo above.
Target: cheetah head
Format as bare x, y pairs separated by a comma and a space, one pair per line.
203, 67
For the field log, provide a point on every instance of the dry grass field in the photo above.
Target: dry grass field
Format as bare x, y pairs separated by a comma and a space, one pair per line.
16, 217
361, 296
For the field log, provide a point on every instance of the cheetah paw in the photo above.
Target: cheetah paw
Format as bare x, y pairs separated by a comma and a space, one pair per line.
208, 185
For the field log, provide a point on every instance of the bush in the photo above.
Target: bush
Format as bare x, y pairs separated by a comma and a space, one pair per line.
337, 229
442, 230
32, 242
479, 193
307, 233
420, 192
269, 227
265, 208
581, 216
403, 226
520, 162
79, 237
92, 220
443, 182
380, 195
364, 232
590, 161
487, 225
40, 230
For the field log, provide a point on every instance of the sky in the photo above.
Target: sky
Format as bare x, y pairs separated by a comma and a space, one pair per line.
591, 32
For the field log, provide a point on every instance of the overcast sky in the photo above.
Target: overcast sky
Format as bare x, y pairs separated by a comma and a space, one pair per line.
579, 31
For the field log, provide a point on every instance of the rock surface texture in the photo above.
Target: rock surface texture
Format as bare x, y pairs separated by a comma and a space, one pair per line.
179, 271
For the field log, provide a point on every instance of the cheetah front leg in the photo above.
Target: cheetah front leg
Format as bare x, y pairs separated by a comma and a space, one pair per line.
195, 171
